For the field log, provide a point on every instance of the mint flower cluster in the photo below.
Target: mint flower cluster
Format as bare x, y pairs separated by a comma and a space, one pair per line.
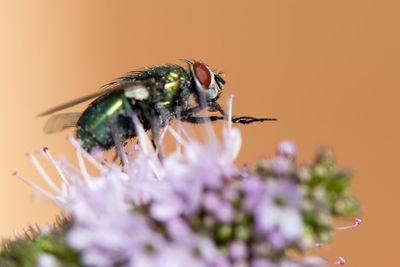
195, 208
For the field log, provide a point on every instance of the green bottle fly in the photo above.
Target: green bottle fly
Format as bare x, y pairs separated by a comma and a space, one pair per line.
155, 95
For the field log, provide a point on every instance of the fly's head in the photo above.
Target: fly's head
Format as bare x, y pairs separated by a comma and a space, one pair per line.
207, 85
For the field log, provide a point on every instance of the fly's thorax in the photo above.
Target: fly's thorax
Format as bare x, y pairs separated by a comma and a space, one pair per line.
173, 85
170, 81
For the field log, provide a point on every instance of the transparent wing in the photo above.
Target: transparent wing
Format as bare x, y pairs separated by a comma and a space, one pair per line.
59, 122
70, 104
119, 84
129, 77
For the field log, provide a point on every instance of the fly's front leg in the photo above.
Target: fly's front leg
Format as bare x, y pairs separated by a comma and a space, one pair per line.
191, 111
199, 120
241, 120
248, 120
214, 106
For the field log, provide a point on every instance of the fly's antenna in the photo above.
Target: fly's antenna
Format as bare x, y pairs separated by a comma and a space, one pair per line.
219, 80
187, 60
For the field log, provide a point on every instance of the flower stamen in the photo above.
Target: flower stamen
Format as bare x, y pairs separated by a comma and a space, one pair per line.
340, 260
82, 166
177, 137
92, 160
34, 186
230, 100
146, 146
43, 173
162, 135
357, 222
55, 164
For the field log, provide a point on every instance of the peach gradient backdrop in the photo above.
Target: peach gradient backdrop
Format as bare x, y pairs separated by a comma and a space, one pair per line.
328, 69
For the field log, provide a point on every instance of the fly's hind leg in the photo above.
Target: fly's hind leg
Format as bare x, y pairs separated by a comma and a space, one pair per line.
113, 123
155, 135
150, 116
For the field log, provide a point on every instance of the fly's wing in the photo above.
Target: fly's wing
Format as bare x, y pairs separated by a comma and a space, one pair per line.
112, 86
70, 104
59, 122
123, 83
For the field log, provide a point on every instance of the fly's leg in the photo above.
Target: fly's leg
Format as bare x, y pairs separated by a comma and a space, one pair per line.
241, 120
191, 111
214, 106
113, 123
187, 115
248, 120
199, 120
116, 156
149, 115
155, 135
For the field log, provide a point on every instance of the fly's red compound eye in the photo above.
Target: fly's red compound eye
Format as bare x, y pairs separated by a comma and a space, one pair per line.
203, 74
204, 82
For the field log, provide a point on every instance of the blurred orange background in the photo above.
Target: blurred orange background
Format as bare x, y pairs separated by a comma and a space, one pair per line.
329, 70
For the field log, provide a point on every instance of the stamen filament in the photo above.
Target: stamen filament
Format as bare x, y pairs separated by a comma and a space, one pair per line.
161, 138
42, 173
65, 165
64, 189
230, 100
186, 134
92, 160
177, 137
82, 166
180, 128
340, 261
146, 146
55, 164
357, 222
209, 130
34, 186
179, 145
143, 141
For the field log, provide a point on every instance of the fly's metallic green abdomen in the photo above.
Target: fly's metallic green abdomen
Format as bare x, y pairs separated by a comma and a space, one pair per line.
154, 100
93, 126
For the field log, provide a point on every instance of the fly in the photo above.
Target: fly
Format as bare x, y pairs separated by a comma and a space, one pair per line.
156, 95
